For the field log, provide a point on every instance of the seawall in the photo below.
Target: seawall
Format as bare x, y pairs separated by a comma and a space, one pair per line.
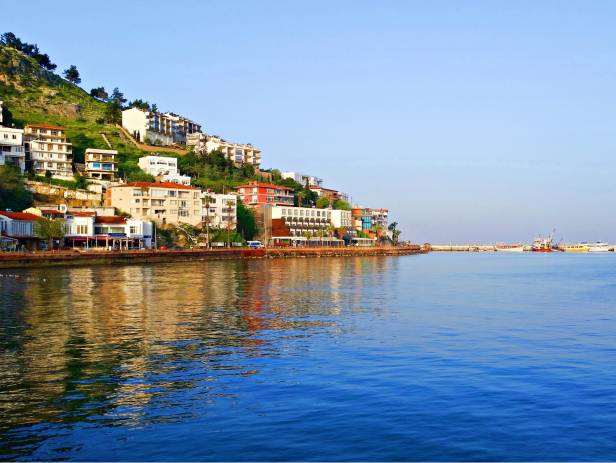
72, 258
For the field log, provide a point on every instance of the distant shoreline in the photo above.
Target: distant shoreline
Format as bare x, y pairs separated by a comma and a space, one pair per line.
74, 258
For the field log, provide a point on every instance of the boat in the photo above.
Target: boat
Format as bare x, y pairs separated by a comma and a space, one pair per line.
598, 246
582, 247
544, 244
504, 247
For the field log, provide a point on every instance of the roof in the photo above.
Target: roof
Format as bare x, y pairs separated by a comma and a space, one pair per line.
45, 126
169, 185
20, 215
264, 185
96, 150
110, 219
315, 187
52, 212
81, 214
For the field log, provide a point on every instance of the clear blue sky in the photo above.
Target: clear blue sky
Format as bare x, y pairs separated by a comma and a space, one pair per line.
470, 121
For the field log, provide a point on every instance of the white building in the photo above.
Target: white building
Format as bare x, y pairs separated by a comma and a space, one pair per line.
156, 128
240, 153
220, 210
342, 219
165, 167
48, 150
303, 179
17, 229
100, 165
86, 229
12, 151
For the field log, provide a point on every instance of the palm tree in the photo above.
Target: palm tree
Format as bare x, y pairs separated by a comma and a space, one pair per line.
395, 233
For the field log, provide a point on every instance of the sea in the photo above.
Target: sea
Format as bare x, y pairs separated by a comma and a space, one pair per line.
435, 357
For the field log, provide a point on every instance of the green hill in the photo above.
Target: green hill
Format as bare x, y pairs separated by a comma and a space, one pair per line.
33, 94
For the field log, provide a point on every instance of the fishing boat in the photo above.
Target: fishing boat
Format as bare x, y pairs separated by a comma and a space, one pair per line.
504, 247
598, 246
582, 247
544, 244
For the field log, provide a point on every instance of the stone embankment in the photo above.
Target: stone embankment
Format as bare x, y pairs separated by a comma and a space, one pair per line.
463, 247
69, 258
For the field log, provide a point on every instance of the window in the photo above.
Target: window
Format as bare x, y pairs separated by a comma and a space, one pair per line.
132, 230
82, 229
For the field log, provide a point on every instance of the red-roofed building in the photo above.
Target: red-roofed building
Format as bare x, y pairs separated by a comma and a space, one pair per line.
17, 229
257, 194
163, 202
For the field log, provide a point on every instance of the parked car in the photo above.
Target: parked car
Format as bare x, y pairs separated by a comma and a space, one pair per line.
254, 244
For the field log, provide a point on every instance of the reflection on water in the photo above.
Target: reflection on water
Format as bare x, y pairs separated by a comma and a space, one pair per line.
431, 357
113, 343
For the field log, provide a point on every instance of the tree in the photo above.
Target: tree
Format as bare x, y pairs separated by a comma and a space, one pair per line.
72, 74
113, 112
13, 193
50, 229
48, 175
246, 222
322, 202
11, 40
140, 104
395, 233
341, 204
80, 181
99, 93
154, 108
117, 96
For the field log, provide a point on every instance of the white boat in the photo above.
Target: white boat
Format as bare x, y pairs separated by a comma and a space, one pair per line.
503, 247
599, 246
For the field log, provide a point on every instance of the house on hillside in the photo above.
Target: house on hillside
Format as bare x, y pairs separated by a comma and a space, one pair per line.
157, 128
47, 149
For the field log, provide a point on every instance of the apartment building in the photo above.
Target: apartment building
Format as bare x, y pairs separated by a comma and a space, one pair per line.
219, 210
303, 178
17, 229
12, 151
257, 194
47, 149
342, 219
329, 193
100, 165
380, 217
157, 128
162, 202
301, 225
240, 153
165, 167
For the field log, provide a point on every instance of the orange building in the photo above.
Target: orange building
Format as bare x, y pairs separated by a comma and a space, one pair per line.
257, 194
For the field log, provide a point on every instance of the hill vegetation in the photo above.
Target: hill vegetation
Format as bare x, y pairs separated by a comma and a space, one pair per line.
33, 93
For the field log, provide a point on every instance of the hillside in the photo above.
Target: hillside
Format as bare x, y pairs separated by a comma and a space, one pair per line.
33, 94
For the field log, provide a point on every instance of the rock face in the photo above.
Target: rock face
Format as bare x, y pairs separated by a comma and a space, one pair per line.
28, 88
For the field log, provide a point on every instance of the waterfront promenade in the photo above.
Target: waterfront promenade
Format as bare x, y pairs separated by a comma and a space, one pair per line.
64, 258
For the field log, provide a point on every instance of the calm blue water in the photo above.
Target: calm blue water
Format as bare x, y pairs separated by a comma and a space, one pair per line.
432, 357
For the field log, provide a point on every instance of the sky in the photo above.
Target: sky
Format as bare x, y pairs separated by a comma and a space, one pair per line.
472, 121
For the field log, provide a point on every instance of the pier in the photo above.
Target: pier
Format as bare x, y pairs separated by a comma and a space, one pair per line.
463, 247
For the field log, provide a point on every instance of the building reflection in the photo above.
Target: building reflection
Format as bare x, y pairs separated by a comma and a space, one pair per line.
90, 341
